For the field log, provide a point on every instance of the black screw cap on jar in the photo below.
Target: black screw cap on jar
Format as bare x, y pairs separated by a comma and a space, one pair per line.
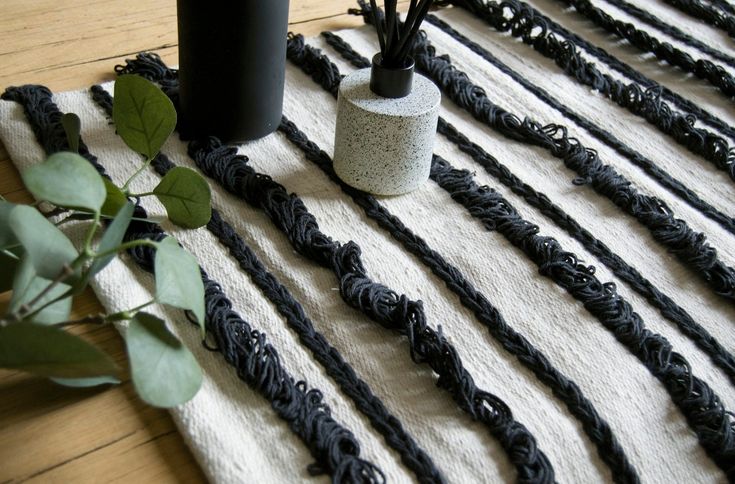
391, 82
232, 61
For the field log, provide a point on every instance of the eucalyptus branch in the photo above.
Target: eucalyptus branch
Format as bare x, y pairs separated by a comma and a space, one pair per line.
140, 195
65, 273
92, 319
91, 232
137, 173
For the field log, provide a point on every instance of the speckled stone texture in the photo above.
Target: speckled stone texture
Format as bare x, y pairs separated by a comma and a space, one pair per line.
384, 146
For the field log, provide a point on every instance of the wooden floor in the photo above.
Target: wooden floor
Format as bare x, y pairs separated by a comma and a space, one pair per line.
49, 433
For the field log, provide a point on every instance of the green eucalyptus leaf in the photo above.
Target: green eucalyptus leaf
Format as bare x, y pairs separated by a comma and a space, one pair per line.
112, 237
86, 382
178, 280
186, 196
66, 180
7, 237
27, 286
72, 127
144, 116
115, 199
50, 351
46, 246
164, 371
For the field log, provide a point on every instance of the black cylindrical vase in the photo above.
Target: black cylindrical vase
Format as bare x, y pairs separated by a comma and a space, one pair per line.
232, 61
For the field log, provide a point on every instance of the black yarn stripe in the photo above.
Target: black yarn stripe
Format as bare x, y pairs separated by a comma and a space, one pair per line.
706, 14
335, 448
690, 247
629, 274
597, 429
644, 103
671, 30
724, 5
380, 303
387, 424
702, 68
647, 165
718, 434
525, 22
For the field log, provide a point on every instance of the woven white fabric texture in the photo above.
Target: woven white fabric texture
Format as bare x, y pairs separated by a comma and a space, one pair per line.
236, 435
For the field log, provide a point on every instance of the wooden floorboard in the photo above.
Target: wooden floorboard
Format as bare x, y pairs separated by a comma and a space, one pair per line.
49, 433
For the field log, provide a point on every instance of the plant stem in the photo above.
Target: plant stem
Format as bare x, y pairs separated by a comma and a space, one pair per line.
125, 246
90, 234
95, 319
139, 195
136, 174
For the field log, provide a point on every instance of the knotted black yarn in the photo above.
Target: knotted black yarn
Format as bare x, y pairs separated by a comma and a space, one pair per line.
707, 14
335, 448
672, 31
688, 246
647, 165
704, 69
617, 316
377, 301
646, 103
387, 424
540, 32
380, 303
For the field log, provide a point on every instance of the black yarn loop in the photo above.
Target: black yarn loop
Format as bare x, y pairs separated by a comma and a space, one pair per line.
668, 308
380, 303
561, 45
706, 13
658, 174
717, 435
704, 69
672, 31
387, 424
335, 448
689, 247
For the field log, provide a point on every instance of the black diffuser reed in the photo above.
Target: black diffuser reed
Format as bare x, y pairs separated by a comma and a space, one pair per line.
392, 71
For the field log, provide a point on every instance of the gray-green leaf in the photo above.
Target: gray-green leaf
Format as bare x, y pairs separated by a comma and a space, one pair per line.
66, 180
46, 246
186, 196
86, 382
164, 371
27, 286
178, 280
144, 116
72, 127
50, 351
7, 237
112, 237
115, 199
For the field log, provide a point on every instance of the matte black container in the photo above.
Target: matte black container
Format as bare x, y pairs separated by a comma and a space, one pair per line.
232, 61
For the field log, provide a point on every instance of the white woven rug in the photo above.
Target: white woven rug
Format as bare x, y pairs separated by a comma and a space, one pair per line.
234, 432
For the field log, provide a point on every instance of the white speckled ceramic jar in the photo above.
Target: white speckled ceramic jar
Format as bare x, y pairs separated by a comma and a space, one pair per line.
384, 145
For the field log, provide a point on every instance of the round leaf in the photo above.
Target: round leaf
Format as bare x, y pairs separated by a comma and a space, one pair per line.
164, 371
50, 351
114, 200
7, 238
178, 280
112, 237
48, 249
144, 116
72, 127
27, 286
86, 382
66, 180
186, 196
